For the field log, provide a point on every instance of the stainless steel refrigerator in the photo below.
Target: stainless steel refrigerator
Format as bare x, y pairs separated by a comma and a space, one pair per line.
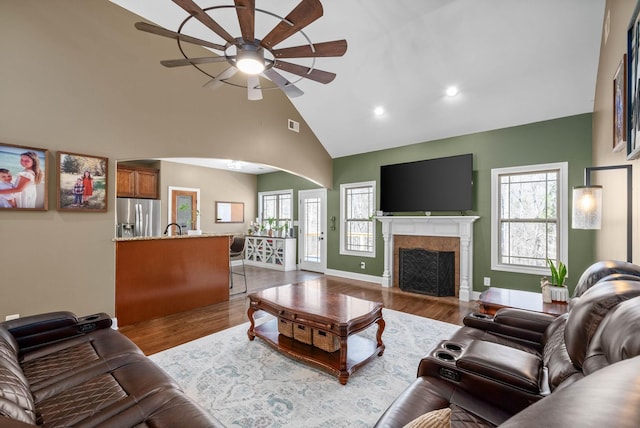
138, 217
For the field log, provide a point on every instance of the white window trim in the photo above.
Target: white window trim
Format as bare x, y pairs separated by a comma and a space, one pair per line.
273, 192
343, 229
563, 215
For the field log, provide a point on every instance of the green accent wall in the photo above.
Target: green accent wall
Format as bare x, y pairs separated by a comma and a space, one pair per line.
566, 139
285, 181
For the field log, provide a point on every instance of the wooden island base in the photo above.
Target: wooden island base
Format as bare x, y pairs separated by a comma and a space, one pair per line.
335, 314
161, 276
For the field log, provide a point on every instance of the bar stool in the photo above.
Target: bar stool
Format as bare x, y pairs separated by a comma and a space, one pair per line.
236, 252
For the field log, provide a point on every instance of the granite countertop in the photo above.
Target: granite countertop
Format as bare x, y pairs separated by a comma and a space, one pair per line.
148, 238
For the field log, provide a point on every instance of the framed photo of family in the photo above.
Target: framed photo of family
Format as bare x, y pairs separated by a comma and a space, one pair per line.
23, 178
633, 87
82, 182
620, 106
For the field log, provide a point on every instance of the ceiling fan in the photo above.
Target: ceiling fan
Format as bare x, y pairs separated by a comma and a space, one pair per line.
254, 57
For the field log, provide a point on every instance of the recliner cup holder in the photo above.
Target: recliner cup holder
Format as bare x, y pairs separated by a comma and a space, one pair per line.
444, 356
480, 316
450, 346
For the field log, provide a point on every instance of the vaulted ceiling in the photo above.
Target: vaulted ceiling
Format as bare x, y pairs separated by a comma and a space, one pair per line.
514, 62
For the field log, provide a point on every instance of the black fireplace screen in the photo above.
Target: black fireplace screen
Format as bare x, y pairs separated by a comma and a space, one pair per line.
427, 272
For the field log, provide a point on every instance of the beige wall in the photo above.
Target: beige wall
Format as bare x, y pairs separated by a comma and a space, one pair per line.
214, 185
77, 76
611, 239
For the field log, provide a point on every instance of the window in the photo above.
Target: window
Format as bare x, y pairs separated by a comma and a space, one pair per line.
276, 205
357, 231
529, 217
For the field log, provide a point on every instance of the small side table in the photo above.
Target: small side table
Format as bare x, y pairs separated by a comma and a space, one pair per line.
494, 298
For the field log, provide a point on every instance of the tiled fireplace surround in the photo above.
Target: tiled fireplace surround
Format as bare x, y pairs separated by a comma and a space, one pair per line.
433, 233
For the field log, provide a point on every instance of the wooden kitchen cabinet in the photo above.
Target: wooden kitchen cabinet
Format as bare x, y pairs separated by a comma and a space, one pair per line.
137, 182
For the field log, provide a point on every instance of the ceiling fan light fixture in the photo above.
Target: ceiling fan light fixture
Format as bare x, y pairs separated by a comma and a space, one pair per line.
250, 55
250, 60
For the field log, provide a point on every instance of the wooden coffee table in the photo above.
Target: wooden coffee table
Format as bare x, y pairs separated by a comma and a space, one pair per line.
311, 306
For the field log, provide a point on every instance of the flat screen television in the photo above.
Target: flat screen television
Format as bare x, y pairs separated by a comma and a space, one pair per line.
443, 184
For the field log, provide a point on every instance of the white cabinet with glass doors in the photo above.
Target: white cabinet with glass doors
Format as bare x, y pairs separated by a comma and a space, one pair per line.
270, 252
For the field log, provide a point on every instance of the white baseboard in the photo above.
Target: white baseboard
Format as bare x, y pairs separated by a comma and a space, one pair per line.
352, 275
114, 323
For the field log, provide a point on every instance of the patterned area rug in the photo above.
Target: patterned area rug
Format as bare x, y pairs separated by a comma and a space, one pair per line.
251, 385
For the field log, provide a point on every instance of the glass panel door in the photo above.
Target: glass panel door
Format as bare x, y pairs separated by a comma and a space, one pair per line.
311, 230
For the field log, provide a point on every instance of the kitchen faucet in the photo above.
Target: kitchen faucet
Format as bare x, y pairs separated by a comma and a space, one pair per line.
166, 230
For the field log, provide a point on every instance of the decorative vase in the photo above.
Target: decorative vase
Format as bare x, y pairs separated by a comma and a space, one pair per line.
546, 294
559, 293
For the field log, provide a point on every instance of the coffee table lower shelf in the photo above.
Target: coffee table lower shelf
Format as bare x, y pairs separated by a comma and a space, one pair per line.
359, 350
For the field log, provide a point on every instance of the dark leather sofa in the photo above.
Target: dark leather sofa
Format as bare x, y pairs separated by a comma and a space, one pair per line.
59, 370
525, 369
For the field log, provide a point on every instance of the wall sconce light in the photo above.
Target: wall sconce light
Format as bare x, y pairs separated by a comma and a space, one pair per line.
587, 203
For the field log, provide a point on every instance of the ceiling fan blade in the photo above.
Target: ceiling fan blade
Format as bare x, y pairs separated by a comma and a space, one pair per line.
335, 48
306, 72
194, 10
217, 81
287, 87
254, 92
154, 29
189, 61
302, 15
246, 10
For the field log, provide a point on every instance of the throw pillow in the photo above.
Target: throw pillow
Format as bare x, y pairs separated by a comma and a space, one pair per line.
435, 419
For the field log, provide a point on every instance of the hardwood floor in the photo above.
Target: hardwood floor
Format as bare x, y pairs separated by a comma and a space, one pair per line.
162, 333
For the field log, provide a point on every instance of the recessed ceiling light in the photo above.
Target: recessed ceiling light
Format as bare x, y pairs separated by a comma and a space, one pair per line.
234, 164
378, 111
452, 91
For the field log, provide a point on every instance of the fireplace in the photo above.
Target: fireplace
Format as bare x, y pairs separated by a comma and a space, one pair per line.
443, 230
427, 244
427, 272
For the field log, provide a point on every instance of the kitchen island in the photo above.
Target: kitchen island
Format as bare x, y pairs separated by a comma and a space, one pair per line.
158, 276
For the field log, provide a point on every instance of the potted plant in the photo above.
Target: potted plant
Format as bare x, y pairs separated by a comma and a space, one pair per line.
555, 289
271, 222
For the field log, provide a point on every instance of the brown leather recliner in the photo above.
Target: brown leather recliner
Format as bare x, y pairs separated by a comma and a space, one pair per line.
60, 370
525, 329
486, 382
599, 270
609, 394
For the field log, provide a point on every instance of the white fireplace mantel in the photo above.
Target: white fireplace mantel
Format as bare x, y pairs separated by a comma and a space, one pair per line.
456, 226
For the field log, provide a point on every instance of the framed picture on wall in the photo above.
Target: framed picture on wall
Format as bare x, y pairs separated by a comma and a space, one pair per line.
82, 182
23, 178
633, 89
620, 106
